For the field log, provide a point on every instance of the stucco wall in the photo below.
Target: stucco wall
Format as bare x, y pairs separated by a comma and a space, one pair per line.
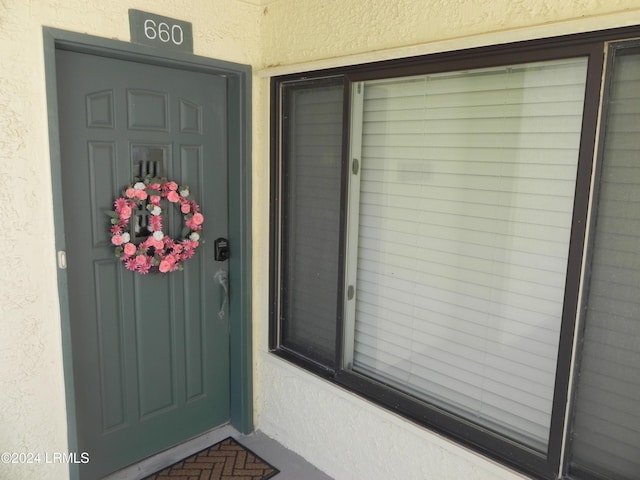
343, 435
32, 404
297, 31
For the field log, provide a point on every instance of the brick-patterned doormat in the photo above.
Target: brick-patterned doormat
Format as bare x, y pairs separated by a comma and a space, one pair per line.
226, 460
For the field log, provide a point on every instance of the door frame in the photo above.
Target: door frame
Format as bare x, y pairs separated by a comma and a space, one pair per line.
239, 178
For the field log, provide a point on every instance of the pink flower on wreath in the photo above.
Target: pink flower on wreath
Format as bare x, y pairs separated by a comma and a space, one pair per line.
117, 240
198, 218
130, 192
119, 203
116, 229
155, 223
144, 268
131, 264
154, 186
189, 247
141, 194
125, 212
191, 225
185, 207
188, 253
155, 200
173, 186
157, 244
195, 208
195, 222
130, 249
140, 263
173, 196
168, 264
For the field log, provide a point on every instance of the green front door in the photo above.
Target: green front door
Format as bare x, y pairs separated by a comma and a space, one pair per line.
150, 352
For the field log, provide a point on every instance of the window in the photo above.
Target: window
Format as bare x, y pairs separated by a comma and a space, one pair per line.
310, 223
430, 244
465, 208
606, 428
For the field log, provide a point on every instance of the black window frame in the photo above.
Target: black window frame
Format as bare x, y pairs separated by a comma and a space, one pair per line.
326, 370
575, 469
593, 45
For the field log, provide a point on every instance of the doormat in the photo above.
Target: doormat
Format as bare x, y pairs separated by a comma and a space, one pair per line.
226, 460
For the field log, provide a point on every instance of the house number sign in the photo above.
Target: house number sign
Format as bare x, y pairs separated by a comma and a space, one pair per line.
158, 31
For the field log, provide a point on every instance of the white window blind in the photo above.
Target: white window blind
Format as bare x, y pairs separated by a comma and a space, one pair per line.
606, 433
460, 218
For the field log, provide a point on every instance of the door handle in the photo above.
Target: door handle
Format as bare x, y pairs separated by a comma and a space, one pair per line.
223, 279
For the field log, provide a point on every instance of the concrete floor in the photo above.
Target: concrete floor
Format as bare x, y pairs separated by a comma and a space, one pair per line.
291, 465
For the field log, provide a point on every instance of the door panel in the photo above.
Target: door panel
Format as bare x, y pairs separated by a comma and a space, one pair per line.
150, 352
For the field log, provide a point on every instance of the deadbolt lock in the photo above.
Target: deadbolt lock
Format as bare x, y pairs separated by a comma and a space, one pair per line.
221, 247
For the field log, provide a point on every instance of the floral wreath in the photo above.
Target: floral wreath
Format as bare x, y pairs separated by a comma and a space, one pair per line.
158, 251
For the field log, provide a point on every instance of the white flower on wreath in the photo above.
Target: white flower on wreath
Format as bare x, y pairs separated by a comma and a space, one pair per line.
126, 238
194, 237
158, 235
184, 192
139, 186
156, 210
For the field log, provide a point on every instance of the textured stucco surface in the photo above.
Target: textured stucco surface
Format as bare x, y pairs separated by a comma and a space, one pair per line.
350, 439
304, 30
338, 432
